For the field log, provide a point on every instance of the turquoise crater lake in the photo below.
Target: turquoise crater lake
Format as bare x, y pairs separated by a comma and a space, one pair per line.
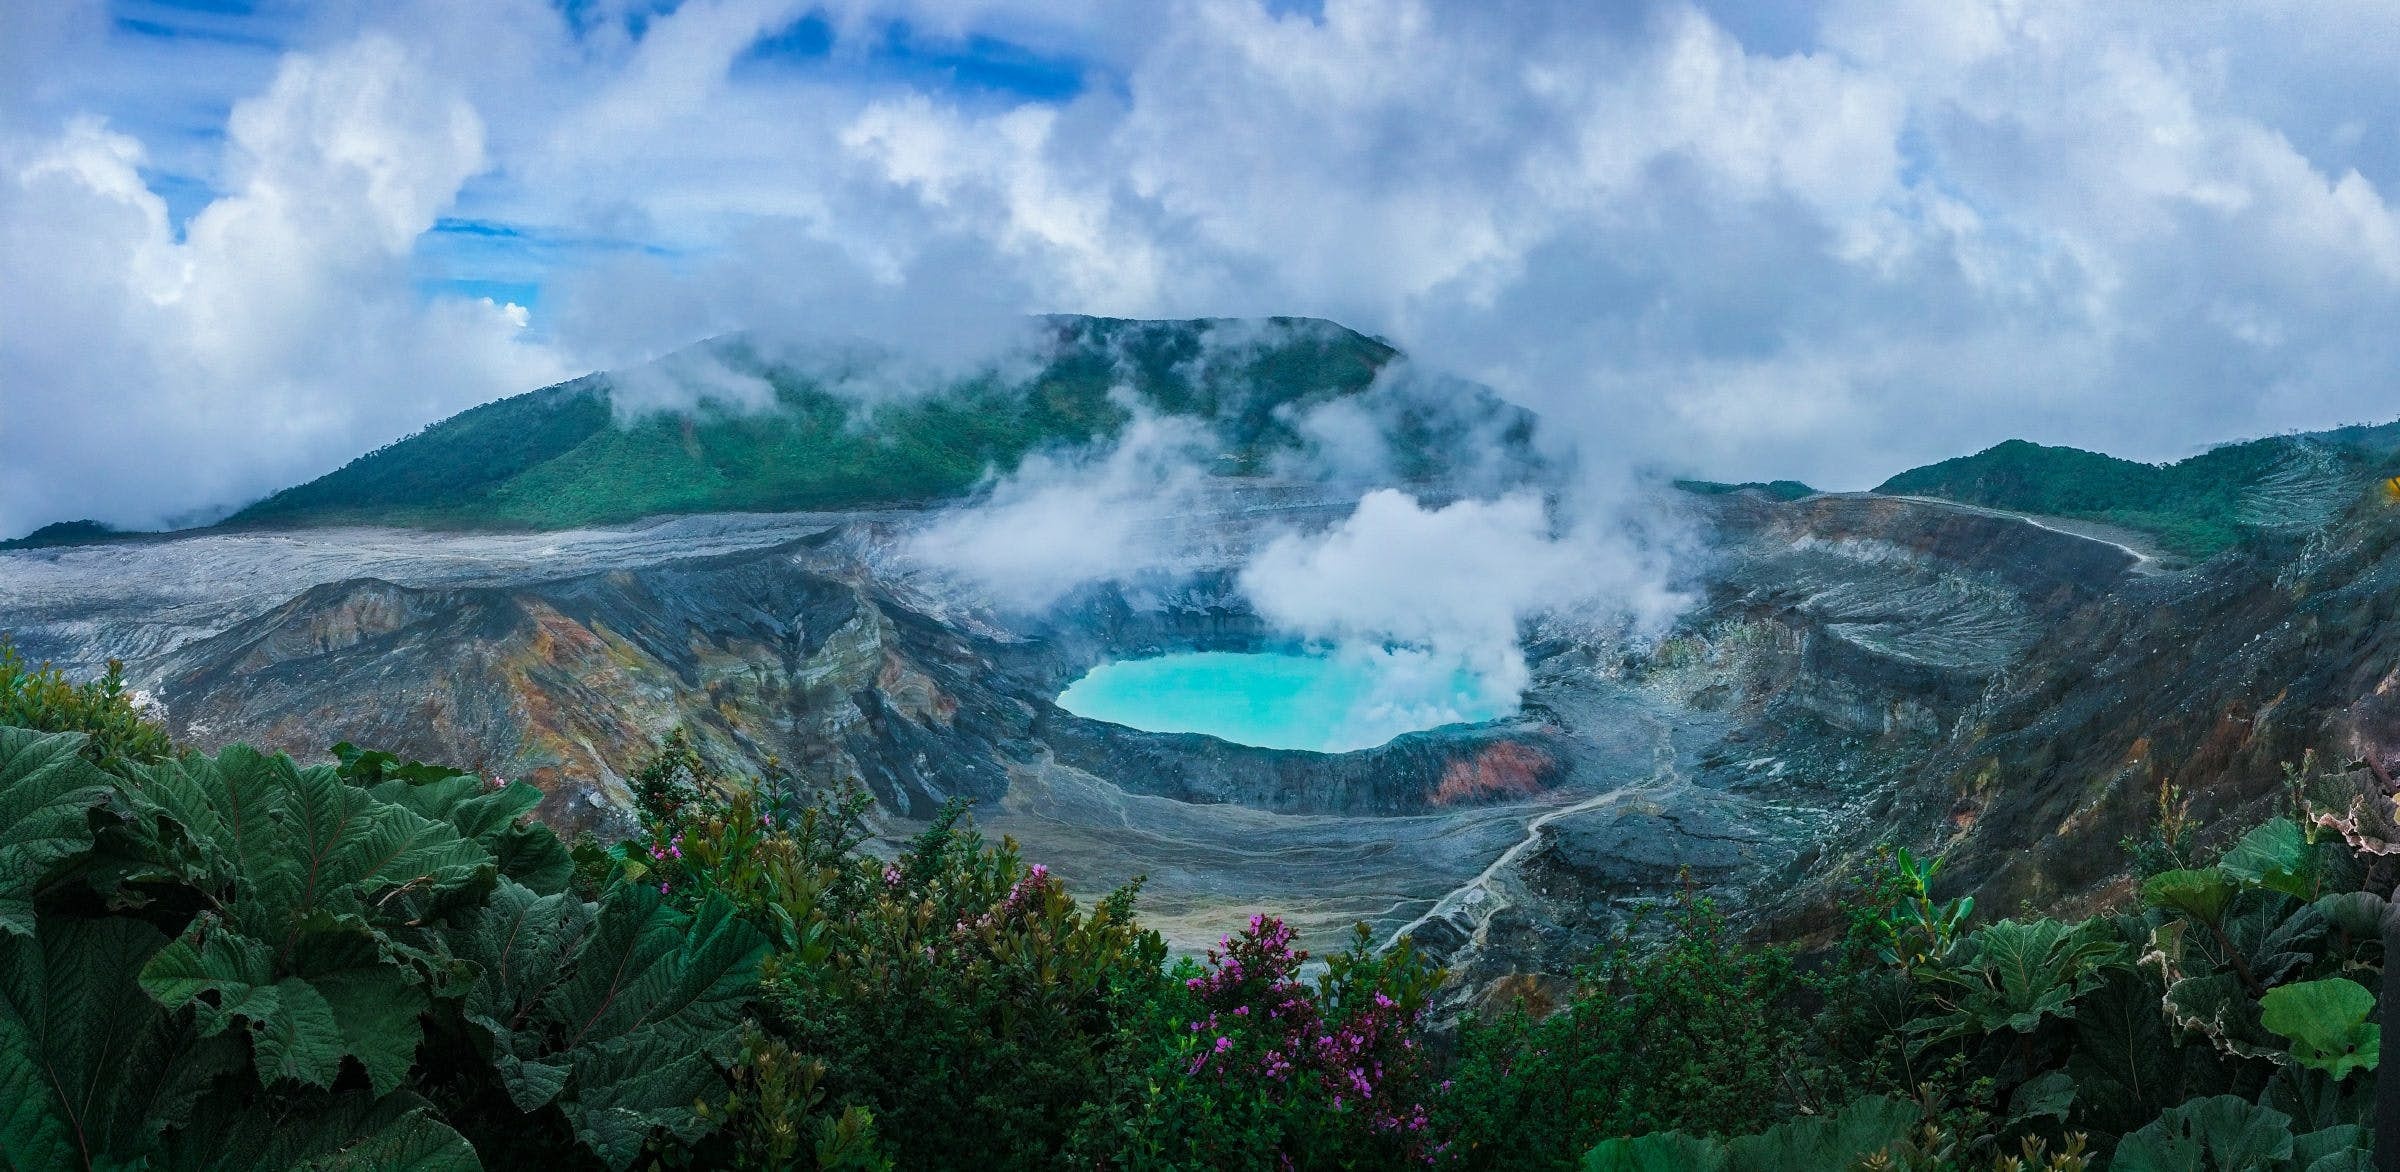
1320, 703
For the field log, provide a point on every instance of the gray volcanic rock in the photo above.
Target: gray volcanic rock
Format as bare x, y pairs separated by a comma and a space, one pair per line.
1652, 846
1860, 669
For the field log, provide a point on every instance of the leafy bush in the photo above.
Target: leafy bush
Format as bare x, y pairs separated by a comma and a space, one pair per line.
1261, 1070
2225, 1026
965, 999
41, 698
1697, 1033
241, 962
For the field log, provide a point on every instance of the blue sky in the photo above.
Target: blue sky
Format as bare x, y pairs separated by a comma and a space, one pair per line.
465, 253
1736, 239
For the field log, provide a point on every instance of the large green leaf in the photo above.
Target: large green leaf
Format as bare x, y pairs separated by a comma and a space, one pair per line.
221, 814
1670, 1151
2341, 1146
496, 820
346, 847
1863, 1128
47, 793
2200, 894
2017, 973
2126, 1064
627, 1090
348, 1132
2330, 1022
2359, 913
2276, 855
645, 968
320, 945
305, 1025
619, 1016
292, 843
2224, 1132
91, 1069
521, 944
1808, 1144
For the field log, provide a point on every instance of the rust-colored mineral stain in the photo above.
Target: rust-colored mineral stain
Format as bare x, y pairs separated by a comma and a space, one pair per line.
1502, 769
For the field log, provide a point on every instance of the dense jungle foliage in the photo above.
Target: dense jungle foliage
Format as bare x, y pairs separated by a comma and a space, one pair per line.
242, 962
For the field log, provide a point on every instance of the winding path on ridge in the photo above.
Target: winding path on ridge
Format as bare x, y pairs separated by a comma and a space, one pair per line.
1479, 899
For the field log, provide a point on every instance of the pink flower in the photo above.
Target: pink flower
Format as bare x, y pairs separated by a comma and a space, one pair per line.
891, 875
662, 889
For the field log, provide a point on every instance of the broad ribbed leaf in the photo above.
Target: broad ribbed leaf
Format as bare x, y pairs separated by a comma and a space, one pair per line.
238, 971
322, 947
2359, 913
46, 796
1863, 1128
2330, 1023
353, 1131
1670, 1151
2019, 973
2335, 1144
345, 847
347, 1002
93, 1069
2201, 895
625, 1091
2222, 1132
2275, 855
2052, 1094
300, 1040
618, 1016
2126, 1066
378, 1012
227, 808
521, 943
2358, 1159
645, 968
529, 854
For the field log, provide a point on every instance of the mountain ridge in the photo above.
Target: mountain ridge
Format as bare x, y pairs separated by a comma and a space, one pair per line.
569, 455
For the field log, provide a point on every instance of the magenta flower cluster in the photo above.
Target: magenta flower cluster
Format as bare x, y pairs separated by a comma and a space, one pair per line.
1260, 1021
1024, 895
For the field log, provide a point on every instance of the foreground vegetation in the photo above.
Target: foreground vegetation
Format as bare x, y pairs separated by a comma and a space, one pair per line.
240, 962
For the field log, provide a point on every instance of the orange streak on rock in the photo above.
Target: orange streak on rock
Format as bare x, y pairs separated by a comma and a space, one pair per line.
1502, 770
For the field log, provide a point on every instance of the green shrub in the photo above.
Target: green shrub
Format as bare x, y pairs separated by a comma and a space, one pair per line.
1259, 1069
968, 1002
1700, 1033
41, 698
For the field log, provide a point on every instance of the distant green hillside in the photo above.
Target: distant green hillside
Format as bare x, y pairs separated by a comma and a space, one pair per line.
2194, 507
556, 457
65, 533
1782, 490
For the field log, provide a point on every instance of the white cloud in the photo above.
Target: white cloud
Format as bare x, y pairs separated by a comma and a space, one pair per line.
1453, 584
1871, 236
1063, 519
148, 376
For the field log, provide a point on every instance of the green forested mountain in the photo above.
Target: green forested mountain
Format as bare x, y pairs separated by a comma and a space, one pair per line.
560, 456
64, 533
2194, 506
